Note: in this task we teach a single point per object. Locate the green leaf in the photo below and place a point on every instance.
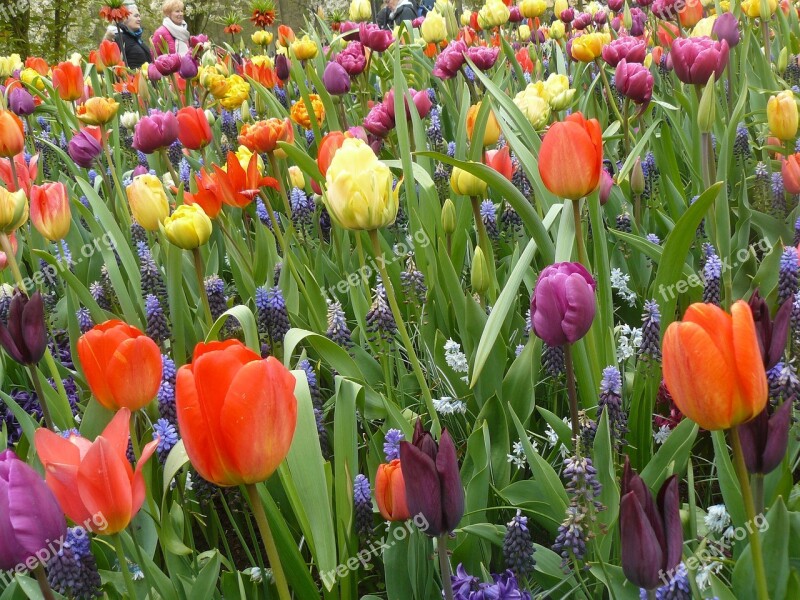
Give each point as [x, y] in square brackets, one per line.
[774, 533]
[246, 319]
[176, 459]
[726, 477]
[673, 455]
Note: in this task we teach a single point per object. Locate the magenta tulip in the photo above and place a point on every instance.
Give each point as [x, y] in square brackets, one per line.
[156, 131]
[167, 64]
[450, 61]
[563, 303]
[375, 38]
[634, 81]
[483, 57]
[378, 121]
[696, 59]
[629, 48]
[335, 79]
[726, 27]
[84, 149]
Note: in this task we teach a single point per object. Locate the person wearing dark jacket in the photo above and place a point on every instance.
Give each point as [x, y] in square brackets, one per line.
[130, 40]
[383, 17]
[402, 10]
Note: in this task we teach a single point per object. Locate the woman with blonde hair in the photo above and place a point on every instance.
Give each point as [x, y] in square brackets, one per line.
[128, 35]
[173, 35]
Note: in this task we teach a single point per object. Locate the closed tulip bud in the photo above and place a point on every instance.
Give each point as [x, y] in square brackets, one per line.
[524, 33]
[129, 119]
[13, 210]
[790, 170]
[557, 30]
[24, 336]
[188, 227]
[194, 130]
[771, 333]
[188, 68]
[466, 184]
[491, 132]
[696, 59]
[433, 482]
[335, 79]
[262, 37]
[282, 67]
[479, 275]
[634, 81]
[390, 491]
[606, 184]
[448, 217]
[237, 413]
[50, 213]
[296, 177]
[765, 439]
[783, 61]
[359, 188]
[571, 157]
[637, 178]
[530, 9]
[707, 112]
[534, 106]
[627, 18]
[305, 48]
[156, 131]
[726, 27]
[84, 148]
[714, 382]
[782, 115]
[21, 102]
[588, 46]
[12, 137]
[360, 10]
[563, 304]
[433, 28]
[148, 201]
[650, 530]
[91, 479]
[32, 517]
[167, 64]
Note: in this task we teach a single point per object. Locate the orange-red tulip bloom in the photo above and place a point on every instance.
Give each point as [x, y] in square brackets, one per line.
[207, 195]
[108, 54]
[330, 143]
[261, 73]
[194, 131]
[390, 492]
[571, 157]
[68, 81]
[237, 187]
[121, 364]
[237, 413]
[263, 136]
[26, 172]
[713, 367]
[12, 137]
[500, 161]
[285, 35]
[50, 212]
[38, 64]
[790, 170]
[93, 481]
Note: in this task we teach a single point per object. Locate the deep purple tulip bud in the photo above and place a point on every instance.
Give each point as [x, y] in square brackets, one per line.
[696, 59]
[168, 64]
[600, 17]
[606, 184]
[21, 102]
[282, 67]
[765, 438]
[24, 338]
[375, 38]
[537, 36]
[378, 121]
[483, 57]
[630, 48]
[563, 303]
[634, 81]
[153, 74]
[651, 532]
[616, 5]
[567, 15]
[188, 68]
[644, 3]
[352, 58]
[335, 79]
[515, 16]
[31, 518]
[726, 27]
[582, 21]
[771, 334]
[84, 149]
[450, 60]
[665, 9]
[638, 22]
[156, 131]
[433, 481]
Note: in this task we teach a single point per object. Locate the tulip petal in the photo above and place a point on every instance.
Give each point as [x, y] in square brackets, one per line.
[777, 437]
[35, 514]
[54, 449]
[780, 332]
[10, 549]
[423, 490]
[669, 506]
[753, 439]
[258, 419]
[581, 307]
[548, 310]
[641, 553]
[62, 479]
[104, 485]
[134, 372]
[750, 372]
[34, 331]
[450, 478]
[95, 348]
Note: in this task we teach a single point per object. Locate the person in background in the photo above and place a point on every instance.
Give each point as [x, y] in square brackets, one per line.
[402, 10]
[383, 16]
[129, 37]
[173, 35]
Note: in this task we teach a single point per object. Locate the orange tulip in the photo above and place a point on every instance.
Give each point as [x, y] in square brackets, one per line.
[667, 33]
[38, 64]
[68, 81]
[523, 57]
[263, 136]
[206, 195]
[108, 53]
[500, 161]
[390, 492]
[237, 187]
[93, 481]
[285, 35]
[12, 136]
[790, 170]
[261, 72]
[121, 364]
[237, 413]
[26, 172]
[691, 13]
[194, 132]
[571, 157]
[50, 212]
[330, 143]
[712, 366]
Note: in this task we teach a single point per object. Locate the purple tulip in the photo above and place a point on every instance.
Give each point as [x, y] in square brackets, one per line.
[765, 438]
[563, 303]
[417, 23]
[375, 38]
[30, 518]
[421, 100]
[378, 121]
[139, 170]
[600, 17]
[188, 68]
[450, 60]
[696, 59]
[582, 21]
[353, 59]
[638, 22]
[483, 57]
[630, 48]
[616, 5]
[606, 184]
[168, 64]
[666, 10]
[282, 67]
[567, 15]
[771, 334]
[21, 102]
[335, 79]
[350, 31]
[616, 23]
[634, 81]
[156, 131]
[24, 337]
[515, 16]
[651, 533]
[84, 149]
[153, 74]
[433, 481]
[726, 27]
[644, 3]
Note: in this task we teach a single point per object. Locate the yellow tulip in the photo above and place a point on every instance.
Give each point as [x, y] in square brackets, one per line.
[148, 201]
[557, 30]
[559, 95]
[704, 27]
[360, 10]
[9, 64]
[493, 14]
[13, 210]
[466, 184]
[530, 9]
[262, 37]
[32, 77]
[433, 28]
[238, 91]
[98, 110]
[296, 177]
[752, 8]
[533, 106]
[305, 48]
[588, 46]
[188, 227]
[491, 132]
[782, 116]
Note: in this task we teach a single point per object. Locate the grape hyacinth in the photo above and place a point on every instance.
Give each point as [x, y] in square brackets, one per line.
[778, 207]
[303, 208]
[215, 291]
[676, 588]
[624, 223]
[761, 187]
[553, 360]
[152, 280]
[72, 572]
[85, 322]
[157, 325]
[583, 488]
[518, 546]
[168, 369]
[166, 402]
[610, 402]
[435, 138]
[796, 240]
[380, 320]
[741, 143]
[413, 282]
[138, 234]
[783, 384]
[313, 384]
[362, 501]
[338, 331]
[651, 331]
[510, 221]
[263, 214]
[712, 276]
[167, 435]
[391, 444]
[788, 271]
[98, 292]
[273, 318]
[489, 218]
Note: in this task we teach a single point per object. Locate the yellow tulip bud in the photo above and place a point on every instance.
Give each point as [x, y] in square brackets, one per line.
[262, 37]
[782, 116]
[706, 113]
[493, 14]
[449, 217]
[243, 154]
[560, 6]
[360, 10]
[305, 48]
[588, 46]
[465, 18]
[9, 64]
[296, 177]
[13, 210]
[466, 184]
[530, 9]
[491, 132]
[433, 28]
[533, 106]
[755, 8]
[188, 227]
[557, 30]
[524, 33]
[557, 91]
[637, 178]
[32, 78]
[148, 201]
[479, 277]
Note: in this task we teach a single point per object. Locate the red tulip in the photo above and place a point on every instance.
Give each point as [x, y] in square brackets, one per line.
[194, 131]
[237, 187]
[206, 195]
[330, 143]
[26, 172]
[390, 492]
[500, 161]
[790, 170]
[571, 157]
[108, 53]
[68, 81]
[50, 212]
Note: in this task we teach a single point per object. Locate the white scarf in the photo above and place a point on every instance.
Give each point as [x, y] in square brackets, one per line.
[181, 35]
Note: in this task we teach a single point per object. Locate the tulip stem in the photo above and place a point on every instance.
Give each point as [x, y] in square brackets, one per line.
[44, 585]
[401, 327]
[269, 542]
[200, 270]
[444, 566]
[611, 99]
[123, 203]
[755, 541]
[37, 385]
[576, 216]
[758, 492]
[123, 565]
[5, 244]
[572, 393]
